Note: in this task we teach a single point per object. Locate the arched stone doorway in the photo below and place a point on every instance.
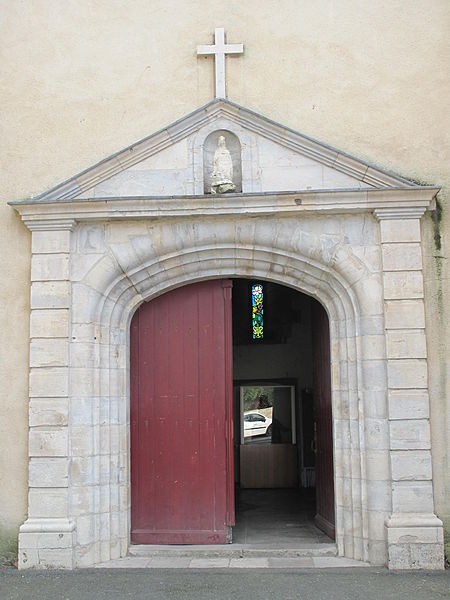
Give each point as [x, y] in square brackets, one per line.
[184, 486]
[90, 275]
[114, 309]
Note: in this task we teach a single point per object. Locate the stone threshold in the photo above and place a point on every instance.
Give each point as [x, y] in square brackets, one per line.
[233, 556]
[187, 562]
[233, 551]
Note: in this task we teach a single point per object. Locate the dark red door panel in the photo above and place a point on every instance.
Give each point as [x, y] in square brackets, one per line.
[181, 415]
[325, 518]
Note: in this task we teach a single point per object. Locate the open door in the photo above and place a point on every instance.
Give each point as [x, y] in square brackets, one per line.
[323, 421]
[182, 484]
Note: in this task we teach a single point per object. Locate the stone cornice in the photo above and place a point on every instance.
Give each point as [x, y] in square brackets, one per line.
[385, 203]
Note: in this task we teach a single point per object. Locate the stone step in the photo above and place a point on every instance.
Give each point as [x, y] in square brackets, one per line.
[233, 551]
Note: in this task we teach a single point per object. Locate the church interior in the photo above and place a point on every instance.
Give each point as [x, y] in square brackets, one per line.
[274, 380]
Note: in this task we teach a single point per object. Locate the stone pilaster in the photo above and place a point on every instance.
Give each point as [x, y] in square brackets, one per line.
[47, 538]
[414, 534]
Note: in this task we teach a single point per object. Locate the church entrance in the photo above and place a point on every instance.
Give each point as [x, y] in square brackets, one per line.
[200, 378]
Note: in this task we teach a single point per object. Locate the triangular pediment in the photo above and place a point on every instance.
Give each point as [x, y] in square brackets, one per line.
[171, 162]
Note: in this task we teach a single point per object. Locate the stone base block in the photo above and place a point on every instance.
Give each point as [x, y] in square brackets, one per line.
[47, 544]
[415, 541]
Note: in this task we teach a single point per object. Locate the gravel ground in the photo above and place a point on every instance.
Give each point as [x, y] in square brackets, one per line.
[261, 584]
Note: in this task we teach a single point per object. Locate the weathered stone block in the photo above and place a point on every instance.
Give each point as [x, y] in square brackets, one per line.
[86, 303]
[50, 267]
[47, 540]
[411, 465]
[49, 382]
[82, 440]
[84, 382]
[415, 556]
[406, 343]
[48, 442]
[84, 471]
[84, 499]
[48, 411]
[55, 241]
[49, 352]
[377, 465]
[402, 257]
[379, 495]
[375, 374]
[408, 404]
[374, 347]
[412, 496]
[86, 529]
[86, 555]
[397, 230]
[84, 355]
[50, 294]
[48, 472]
[56, 558]
[399, 285]
[47, 503]
[28, 557]
[404, 314]
[410, 434]
[407, 373]
[375, 404]
[415, 535]
[377, 434]
[90, 238]
[49, 323]
[84, 411]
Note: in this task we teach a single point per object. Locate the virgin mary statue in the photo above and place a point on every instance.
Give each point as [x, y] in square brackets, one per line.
[222, 175]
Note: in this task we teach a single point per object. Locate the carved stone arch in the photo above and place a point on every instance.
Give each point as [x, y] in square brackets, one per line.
[123, 292]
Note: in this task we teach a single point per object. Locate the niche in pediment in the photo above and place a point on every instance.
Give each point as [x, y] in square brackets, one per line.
[222, 163]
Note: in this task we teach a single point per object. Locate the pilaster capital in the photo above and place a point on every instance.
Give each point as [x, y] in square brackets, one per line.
[401, 213]
[50, 224]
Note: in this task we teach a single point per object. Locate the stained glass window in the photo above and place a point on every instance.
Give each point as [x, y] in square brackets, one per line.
[257, 311]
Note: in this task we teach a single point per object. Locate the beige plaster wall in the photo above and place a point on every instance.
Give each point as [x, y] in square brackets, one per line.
[88, 77]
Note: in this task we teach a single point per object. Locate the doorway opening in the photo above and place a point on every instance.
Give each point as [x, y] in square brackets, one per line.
[220, 355]
[283, 459]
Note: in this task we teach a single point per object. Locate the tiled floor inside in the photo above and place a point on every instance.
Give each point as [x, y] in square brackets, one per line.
[282, 518]
[274, 529]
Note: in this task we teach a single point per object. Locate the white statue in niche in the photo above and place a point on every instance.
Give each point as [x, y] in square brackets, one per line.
[222, 175]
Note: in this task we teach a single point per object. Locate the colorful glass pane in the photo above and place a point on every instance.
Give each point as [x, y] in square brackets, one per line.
[257, 311]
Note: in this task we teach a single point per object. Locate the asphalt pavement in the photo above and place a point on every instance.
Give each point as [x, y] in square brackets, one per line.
[231, 584]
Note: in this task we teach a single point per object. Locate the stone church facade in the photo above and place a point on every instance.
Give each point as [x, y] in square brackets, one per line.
[364, 242]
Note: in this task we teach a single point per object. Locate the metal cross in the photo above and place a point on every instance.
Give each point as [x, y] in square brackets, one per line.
[219, 49]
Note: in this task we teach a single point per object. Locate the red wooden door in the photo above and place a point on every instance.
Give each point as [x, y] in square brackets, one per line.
[182, 484]
[323, 422]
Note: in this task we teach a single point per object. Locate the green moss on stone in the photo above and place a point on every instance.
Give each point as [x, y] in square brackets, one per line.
[8, 546]
[436, 217]
[447, 544]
